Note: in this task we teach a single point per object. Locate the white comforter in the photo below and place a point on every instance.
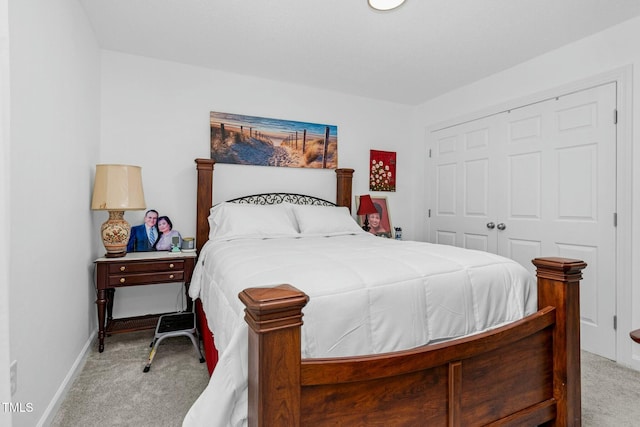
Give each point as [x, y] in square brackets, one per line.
[399, 295]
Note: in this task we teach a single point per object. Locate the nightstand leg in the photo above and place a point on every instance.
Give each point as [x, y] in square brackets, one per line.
[101, 302]
[111, 294]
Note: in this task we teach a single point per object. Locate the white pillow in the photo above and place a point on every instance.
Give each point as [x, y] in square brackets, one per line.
[241, 220]
[325, 220]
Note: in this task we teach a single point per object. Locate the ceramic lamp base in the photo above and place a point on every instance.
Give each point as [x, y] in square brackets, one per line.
[115, 234]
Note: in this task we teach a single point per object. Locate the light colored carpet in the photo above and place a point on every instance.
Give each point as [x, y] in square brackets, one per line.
[610, 393]
[112, 390]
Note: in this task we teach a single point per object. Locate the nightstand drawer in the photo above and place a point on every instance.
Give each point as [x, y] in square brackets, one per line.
[143, 267]
[145, 278]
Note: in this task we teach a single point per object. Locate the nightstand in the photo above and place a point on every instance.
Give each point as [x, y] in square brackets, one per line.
[136, 269]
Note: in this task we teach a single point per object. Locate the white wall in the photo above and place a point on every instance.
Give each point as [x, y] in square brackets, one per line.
[5, 360]
[603, 53]
[155, 114]
[54, 139]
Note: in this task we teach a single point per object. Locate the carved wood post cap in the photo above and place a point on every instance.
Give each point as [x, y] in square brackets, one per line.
[269, 309]
[344, 171]
[561, 269]
[205, 163]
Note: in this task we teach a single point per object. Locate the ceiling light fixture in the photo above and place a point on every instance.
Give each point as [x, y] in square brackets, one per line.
[385, 4]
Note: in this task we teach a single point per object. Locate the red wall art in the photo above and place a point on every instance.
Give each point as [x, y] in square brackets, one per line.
[382, 171]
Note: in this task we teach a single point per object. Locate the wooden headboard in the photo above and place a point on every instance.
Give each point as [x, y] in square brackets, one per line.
[205, 196]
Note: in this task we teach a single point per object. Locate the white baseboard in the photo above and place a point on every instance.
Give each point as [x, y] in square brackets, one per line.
[52, 409]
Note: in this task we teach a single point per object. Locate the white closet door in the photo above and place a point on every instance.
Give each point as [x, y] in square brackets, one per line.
[462, 176]
[547, 183]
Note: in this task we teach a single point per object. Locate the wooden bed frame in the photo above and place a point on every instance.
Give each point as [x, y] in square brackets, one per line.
[525, 373]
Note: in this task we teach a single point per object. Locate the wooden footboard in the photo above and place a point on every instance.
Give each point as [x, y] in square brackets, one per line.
[525, 373]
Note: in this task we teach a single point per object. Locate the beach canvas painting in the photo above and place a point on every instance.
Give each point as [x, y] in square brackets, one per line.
[249, 140]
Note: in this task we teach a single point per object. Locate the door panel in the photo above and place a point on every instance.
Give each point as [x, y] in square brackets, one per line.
[586, 193]
[461, 186]
[525, 186]
[476, 186]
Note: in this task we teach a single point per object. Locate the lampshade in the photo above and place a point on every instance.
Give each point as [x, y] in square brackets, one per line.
[118, 187]
[385, 4]
[366, 206]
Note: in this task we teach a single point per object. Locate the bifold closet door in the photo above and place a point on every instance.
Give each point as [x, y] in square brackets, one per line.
[537, 181]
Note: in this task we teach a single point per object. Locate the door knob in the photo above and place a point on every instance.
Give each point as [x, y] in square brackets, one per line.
[491, 225]
[501, 226]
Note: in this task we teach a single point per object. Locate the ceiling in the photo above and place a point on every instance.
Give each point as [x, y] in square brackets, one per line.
[421, 50]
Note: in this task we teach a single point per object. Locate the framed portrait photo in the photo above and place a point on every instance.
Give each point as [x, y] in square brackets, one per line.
[380, 222]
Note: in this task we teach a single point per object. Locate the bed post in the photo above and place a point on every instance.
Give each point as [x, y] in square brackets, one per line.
[558, 286]
[204, 200]
[274, 316]
[343, 191]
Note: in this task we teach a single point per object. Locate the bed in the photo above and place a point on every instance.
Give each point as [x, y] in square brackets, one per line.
[510, 372]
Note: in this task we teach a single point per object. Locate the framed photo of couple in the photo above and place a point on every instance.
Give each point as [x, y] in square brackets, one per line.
[380, 222]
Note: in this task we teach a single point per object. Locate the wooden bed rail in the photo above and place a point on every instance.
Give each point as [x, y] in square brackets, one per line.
[524, 373]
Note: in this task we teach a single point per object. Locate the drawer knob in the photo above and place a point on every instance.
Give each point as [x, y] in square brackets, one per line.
[170, 265]
[123, 280]
[171, 276]
[123, 268]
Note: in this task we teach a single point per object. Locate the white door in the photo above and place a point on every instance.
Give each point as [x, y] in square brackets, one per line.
[550, 191]
[462, 175]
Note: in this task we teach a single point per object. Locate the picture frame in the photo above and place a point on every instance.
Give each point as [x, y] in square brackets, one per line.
[382, 170]
[383, 226]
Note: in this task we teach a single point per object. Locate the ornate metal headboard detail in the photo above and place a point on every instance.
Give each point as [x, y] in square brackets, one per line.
[276, 198]
[204, 196]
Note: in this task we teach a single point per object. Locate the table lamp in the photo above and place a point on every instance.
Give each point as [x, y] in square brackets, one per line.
[365, 208]
[117, 188]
